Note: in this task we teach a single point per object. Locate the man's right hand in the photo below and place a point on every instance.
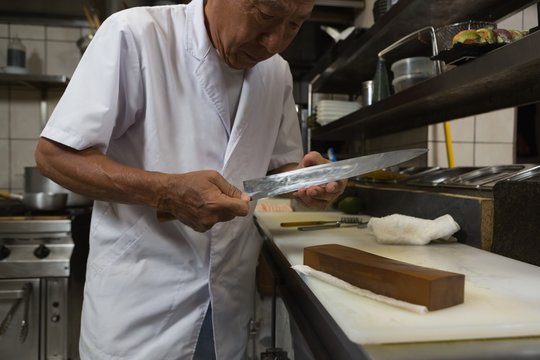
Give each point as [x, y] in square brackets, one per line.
[200, 199]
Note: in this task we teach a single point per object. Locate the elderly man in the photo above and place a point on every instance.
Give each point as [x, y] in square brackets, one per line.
[169, 110]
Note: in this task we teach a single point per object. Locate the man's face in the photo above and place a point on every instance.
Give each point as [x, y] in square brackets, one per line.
[245, 32]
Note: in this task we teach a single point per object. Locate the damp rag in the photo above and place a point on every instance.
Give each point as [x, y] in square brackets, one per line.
[400, 229]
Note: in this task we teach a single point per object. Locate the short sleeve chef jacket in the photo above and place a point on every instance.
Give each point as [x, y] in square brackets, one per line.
[148, 93]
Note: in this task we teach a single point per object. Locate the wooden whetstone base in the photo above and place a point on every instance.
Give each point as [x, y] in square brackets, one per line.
[435, 289]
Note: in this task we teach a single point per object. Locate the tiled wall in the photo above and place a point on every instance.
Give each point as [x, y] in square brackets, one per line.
[51, 51]
[484, 139]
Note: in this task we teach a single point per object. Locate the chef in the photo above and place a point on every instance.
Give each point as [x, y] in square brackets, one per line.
[169, 110]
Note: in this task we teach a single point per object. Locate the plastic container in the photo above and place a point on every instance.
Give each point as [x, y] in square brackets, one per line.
[406, 81]
[414, 65]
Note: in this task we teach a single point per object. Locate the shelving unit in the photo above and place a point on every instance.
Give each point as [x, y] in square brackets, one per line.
[502, 78]
[43, 83]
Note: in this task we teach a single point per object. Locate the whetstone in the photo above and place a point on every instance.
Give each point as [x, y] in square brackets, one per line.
[433, 288]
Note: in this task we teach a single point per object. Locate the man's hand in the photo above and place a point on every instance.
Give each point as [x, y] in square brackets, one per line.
[200, 199]
[321, 196]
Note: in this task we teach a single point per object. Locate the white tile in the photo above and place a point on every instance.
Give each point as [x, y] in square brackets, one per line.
[496, 126]
[35, 32]
[63, 33]
[4, 164]
[35, 56]
[513, 22]
[62, 58]
[25, 115]
[460, 130]
[494, 154]
[4, 30]
[4, 114]
[463, 154]
[530, 17]
[53, 97]
[22, 155]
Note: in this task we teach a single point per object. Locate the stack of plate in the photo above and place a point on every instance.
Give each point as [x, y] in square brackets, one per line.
[331, 110]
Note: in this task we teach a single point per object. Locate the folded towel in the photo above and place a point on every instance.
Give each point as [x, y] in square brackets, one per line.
[402, 229]
[332, 280]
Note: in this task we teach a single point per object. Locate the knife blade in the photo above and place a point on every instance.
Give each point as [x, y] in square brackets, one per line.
[291, 181]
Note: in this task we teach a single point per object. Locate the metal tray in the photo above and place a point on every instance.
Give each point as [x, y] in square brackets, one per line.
[436, 177]
[532, 175]
[395, 175]
[486, 177]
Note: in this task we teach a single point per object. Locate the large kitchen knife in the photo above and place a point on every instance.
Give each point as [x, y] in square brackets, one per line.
[290, 181]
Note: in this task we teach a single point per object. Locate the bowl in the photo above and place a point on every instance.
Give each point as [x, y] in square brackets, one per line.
[414, 65]
[406, 81]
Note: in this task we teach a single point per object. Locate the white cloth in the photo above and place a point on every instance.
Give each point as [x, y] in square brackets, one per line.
[332, 280]
[403, 229]
[145, 93]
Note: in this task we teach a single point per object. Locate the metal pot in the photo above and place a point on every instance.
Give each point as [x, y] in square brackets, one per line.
[34, 182]
[40, 200]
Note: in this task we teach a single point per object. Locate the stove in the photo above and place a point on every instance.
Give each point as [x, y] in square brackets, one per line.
[37, 313]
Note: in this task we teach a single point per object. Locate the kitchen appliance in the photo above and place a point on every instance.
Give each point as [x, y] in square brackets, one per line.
[35, 254]
[290, 181]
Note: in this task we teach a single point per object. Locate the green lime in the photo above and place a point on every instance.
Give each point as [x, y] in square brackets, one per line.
[350, 205]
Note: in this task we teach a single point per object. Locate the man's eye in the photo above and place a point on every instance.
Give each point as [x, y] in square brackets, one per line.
[294, 25]
[265, 16]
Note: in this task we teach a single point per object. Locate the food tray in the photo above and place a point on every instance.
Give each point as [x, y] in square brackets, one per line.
[486, 177]
[530, 175]
[434, 178]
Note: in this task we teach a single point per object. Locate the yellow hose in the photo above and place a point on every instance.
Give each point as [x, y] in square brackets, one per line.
[449, 147]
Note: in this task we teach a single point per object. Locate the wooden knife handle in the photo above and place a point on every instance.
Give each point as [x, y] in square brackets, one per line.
[306, 223]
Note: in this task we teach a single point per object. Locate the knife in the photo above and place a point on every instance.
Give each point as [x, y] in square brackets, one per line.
[290, 181]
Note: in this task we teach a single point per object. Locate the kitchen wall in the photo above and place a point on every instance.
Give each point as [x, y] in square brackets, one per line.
[484, 139]
[49, 50]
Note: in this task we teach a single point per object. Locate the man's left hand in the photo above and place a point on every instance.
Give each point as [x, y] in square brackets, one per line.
[320, 196]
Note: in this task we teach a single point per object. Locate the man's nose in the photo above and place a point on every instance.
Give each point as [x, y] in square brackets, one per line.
[274, 40]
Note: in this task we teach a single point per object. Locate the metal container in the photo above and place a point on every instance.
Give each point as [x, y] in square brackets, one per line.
[367, 93]
[435, 178]
[530, 175]
[40, 200]
[34, 182]
[486, 177]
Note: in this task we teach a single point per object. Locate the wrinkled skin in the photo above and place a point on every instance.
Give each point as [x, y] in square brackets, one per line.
[254, 30]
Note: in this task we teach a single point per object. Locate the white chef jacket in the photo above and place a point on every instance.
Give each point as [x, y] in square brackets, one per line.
[148, 93]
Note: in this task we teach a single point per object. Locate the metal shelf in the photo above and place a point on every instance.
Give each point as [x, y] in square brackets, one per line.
[41, 82]
[505, 77]
[357, 56]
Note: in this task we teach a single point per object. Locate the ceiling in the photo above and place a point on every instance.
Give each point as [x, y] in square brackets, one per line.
[71, 11]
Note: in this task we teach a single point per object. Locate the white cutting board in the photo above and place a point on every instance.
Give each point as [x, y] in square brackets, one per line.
[502, 296]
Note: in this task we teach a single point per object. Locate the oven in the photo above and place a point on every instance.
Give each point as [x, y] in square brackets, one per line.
[35, 254]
